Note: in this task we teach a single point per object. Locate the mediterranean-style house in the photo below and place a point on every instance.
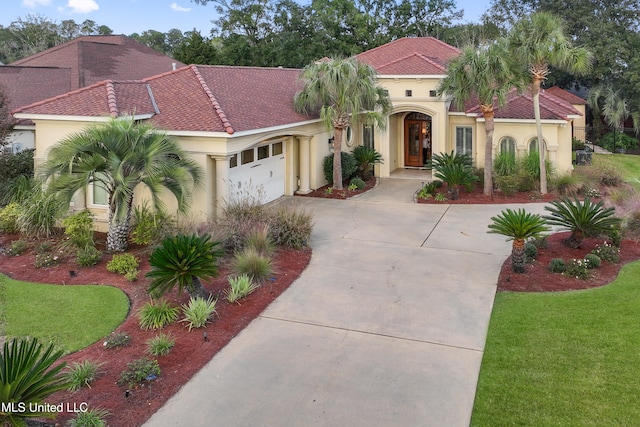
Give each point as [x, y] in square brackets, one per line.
[240, 125]
[78, 63]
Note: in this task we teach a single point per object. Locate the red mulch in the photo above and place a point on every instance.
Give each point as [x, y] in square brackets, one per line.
[190, 353]
[476, 197]
[324, 193]
[538, 278]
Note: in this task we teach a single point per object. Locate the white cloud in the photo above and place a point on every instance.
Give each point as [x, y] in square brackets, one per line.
[176, 8]
[35, 3]
[82, 6]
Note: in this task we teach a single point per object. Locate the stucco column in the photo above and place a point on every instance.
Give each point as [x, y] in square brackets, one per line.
[222, 182]
[305, 161]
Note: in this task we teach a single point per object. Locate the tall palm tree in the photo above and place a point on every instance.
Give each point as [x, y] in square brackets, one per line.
[342, 90]
[518, 226]
[117, 156]
[606, 101]
[486, 74]
[538, 42]
[27, 377]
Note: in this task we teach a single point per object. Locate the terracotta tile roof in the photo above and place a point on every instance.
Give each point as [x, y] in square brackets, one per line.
[566, 95]
[410, 56]
[96, 58]
[520, 106]
[194, 98]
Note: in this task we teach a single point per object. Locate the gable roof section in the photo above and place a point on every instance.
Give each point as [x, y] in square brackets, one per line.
[26, 85]
[566, 95]
[410, 56]
[194, 98]
[520, 106]
[96, 58]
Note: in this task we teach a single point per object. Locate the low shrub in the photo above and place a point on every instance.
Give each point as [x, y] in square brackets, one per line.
[593, 261]
[557, 265]
[358, 183]
[88, 256]
[440, 197]
[504, 164]
[157, 314]
[259, 240]
[82, 374]
[160, 345]
[94, 417]
[577, 268]
[614, 141]
[567, 184]
[9, 218]
[591, 192]
[607, 252]
[138, 371]
[47, 260]
[241, 286]
[40, 213]
[253, 264]
[79, 229]
[149, 226]
[198, 312]
[291, 228]
[577, 144]
[530, 252]
[508, 184]
[349, 166]
[125, 264]
[632, 225]
[117, 339]
[17, 247]
[540, 242]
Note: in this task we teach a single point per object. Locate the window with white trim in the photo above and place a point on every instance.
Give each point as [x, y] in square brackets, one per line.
[464, 140]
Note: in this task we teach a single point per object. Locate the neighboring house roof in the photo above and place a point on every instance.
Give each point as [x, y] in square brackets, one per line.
[520, 106]
[194, 98]
[25, 85]
[566, 95]
[410, 56]
[96, 58]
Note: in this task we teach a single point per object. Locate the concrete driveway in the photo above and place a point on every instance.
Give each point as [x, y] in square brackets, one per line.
[386, 327]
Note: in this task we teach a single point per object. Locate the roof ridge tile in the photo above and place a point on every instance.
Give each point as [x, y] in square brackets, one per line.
[214, 102]
[111, 98]
[417, 54]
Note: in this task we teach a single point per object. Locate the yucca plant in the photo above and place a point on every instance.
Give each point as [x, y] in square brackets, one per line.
[183, 261]
[581, 218]
[240, 287]
[27, 376]
[198, 311]
[157, 314]
[366, 157]
[518, 226]
[82, 374]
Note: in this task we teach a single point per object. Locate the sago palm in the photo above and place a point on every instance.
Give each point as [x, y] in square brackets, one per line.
[485, 74]
[581, 218]
[366, 158]
[342, 90]
[183, 261]
[539, 42]
[117, 156]
[518, 226]
[27, 377]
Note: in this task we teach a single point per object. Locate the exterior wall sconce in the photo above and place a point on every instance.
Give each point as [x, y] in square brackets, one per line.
[331, 140]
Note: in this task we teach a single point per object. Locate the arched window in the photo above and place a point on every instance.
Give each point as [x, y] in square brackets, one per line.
[508, 145]
[533, 144]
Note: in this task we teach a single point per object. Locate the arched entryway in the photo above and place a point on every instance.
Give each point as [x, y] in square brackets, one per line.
[417, 140]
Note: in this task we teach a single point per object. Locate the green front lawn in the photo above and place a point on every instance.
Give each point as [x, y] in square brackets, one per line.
[627, 164]
[72, 316]
[563, 359]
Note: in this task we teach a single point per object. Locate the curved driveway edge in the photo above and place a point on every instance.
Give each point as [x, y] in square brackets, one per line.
[386, 327]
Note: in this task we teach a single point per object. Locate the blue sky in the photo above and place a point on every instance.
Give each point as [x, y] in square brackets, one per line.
[135, 16]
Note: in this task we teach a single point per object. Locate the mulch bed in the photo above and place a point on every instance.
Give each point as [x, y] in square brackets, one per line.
[327, 192]
[476, 197]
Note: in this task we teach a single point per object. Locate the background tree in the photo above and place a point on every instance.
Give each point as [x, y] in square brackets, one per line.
[486, 75]
[117, 156]
[615, 109]
[342, 90]
[196, 49]
[538, 42]
[7, 121]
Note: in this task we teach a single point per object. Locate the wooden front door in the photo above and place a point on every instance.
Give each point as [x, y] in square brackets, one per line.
[414, 133]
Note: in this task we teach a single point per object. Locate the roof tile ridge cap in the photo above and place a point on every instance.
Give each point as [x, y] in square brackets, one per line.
[111, 99]
[166, 73]
[418, 54]
[57, 97]
[426, 58]
[213, 100]
[447, 45]
[381, 46]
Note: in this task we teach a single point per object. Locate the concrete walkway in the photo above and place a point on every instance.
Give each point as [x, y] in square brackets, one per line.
[386, 327]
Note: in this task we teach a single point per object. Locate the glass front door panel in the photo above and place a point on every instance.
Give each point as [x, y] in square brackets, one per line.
[413, 143]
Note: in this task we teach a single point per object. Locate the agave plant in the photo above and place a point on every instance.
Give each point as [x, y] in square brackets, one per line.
[27, 378]
[366, 158]
[581, 218]
[183, 261]
[518, 226]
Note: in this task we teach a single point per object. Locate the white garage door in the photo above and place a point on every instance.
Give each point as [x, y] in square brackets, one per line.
[259, 169]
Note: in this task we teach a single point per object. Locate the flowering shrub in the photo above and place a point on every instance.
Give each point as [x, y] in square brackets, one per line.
[577, 268]
[607, 252]
[46, 260]
[593, 193]
[593, 261]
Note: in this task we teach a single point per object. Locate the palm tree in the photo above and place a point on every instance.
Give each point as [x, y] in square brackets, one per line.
[342, 90]
[27, 377]
[183, 260]
[608, 102]
[582, 218]
[539, 42]
[518, 226]
[484, 73]
[117, 156]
